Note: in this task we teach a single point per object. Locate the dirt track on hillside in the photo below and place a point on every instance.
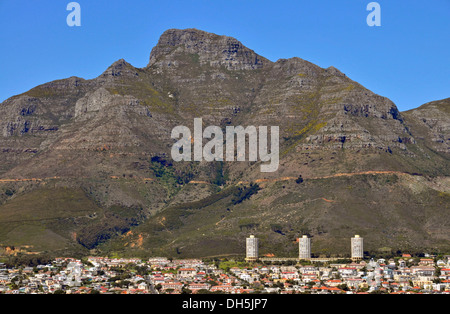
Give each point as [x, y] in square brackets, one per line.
[350, 174]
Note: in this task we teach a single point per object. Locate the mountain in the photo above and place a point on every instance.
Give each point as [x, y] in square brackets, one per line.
[86, 165]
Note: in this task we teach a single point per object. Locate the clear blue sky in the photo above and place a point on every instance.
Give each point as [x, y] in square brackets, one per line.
[407, 59]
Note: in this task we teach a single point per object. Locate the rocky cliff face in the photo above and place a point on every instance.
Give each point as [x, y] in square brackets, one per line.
[206, 48]
[432, 124]
[191, 74]
[111, 135]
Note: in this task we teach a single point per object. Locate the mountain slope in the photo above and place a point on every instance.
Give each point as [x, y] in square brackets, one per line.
[432, 124]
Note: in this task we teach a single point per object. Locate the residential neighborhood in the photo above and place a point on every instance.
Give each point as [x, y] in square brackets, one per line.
[161, 275]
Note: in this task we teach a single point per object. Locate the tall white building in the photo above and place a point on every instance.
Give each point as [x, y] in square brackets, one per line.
[357, 248]
[252, 249]
[304, 247]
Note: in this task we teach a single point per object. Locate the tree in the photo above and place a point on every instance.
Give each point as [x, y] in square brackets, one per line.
[245, 193]
[437, 272]
[343, 287]
[212, 283]
[221, 176]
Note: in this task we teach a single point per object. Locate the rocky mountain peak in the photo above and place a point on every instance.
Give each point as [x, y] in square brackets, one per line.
[207, 48]
[119, 68]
